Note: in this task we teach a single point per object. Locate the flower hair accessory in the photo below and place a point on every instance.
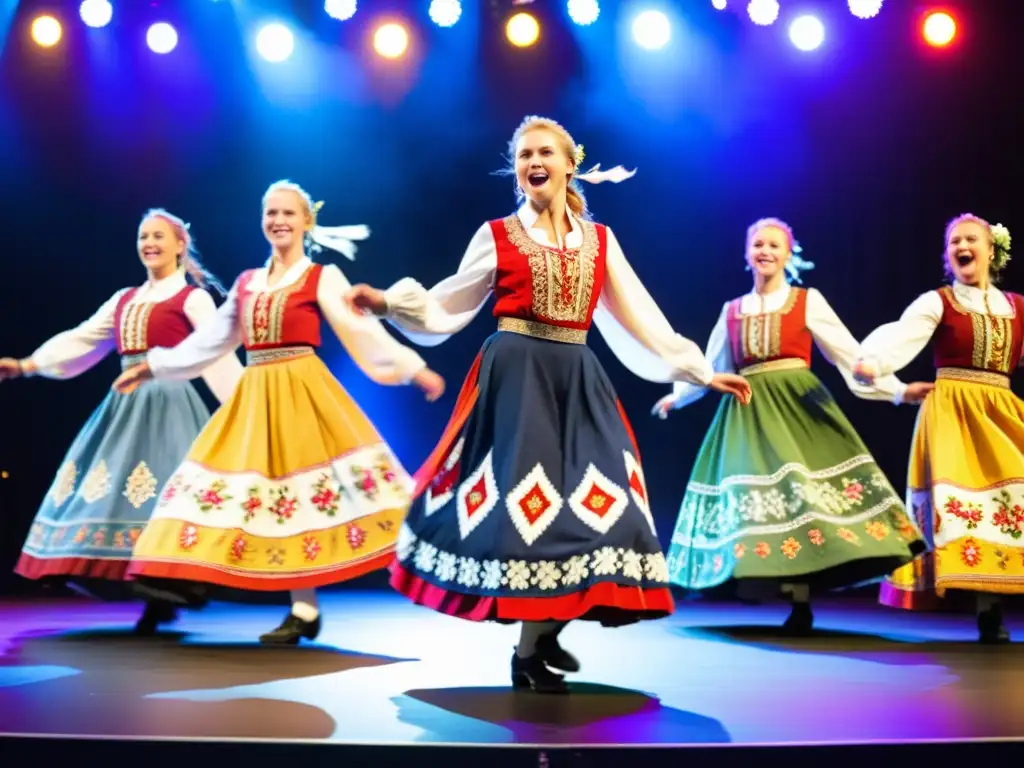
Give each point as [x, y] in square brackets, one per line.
[797, 264]
[580, 154]
[340, 239]
[1001, 246]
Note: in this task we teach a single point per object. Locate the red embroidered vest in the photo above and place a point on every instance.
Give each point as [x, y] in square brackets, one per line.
[281, 317]
[147, 324]
[966, 339]
[778, 335]
[548, 285]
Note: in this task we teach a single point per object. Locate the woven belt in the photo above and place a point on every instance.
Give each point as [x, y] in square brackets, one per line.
[542, 330]
[130, 361]
[974, 376]
[276, 355]
[785, 364]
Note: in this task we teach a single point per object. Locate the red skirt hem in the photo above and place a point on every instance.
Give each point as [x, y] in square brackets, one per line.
[33, 568]
[609, 603]
[210, 575]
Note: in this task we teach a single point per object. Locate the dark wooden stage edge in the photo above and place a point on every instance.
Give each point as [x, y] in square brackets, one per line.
[389, 683]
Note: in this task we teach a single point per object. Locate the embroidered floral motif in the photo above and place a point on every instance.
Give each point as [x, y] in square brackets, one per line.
[252, 503]
[763, 549]
[238, 547]
[816, 537]
[790, 547]
[1009, 519]
[212, 497]
[365, 481]
[140, 486]
[970, 553]
[189, 536]
[971, 514]
[64, 483]
[325, 498]
[847, 535]
[284, 506]
[310, 548]
[355, 536]
[876, 529]
[97, 483]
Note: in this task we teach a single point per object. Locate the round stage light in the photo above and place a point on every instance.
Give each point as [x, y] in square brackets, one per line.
[342, 10]
[865, 9]
[445, 13]
[718, 5]
[96, 13]
[522, 30]
[763, 12]
[161, 38]
[583, 12]
[275, 42]
[46, 31]
[652, 30]
[939, 29]
[806, 33]
[390, 40]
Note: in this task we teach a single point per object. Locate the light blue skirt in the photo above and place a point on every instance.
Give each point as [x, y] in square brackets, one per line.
[107, 487]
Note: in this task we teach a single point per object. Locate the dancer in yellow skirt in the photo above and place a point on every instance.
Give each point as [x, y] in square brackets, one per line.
[289, 487]
[966, 477]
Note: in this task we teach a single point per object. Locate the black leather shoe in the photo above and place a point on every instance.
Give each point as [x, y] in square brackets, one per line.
[292, 630]
[554, 655]
[157, 612]
[991, 630]
[533, 674]
[800, 621]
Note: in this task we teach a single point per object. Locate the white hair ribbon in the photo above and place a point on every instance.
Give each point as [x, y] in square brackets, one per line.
[596, 176]
[340, 239]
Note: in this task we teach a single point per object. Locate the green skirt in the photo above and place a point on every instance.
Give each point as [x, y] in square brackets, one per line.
[784, 490]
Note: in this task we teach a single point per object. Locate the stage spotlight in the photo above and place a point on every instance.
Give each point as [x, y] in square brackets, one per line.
[96, 13]
[718, 5]
[806, 33]
[445, 13]
[763, 12]
[275, 42]
[583, 12]
[651, 30]
[865, 9]
[390, 40]
[939, 29]
[522, 30]
[161, 38]
[342, 10]
[46, 31]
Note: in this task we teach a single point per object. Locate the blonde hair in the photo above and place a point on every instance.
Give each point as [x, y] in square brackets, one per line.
[999, 255]
[315, 238]
[574, 197]
[189, 259]
[796, 264]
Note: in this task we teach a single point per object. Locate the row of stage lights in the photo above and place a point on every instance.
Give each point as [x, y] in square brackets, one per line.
[651, 29]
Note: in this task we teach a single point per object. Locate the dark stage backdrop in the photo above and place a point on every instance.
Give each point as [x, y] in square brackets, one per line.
[867, 147]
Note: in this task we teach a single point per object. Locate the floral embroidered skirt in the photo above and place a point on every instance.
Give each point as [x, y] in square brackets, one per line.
[784, 490]
[106, 489]
[966, 487]
[288, 486]
[533, 506]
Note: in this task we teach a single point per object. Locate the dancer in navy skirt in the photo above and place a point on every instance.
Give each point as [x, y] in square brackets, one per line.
[533, 506]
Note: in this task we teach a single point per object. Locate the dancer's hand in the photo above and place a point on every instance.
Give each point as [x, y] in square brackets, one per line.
[431, 384]
[864, 373]
[662, 408]
[9, 368]
[918, 391]
[133, 378]
[364, 299]
[731, 384]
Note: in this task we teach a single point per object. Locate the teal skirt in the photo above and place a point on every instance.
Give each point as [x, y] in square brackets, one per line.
[784, 490]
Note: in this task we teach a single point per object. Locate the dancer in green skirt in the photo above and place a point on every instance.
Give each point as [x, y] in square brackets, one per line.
[784, 495]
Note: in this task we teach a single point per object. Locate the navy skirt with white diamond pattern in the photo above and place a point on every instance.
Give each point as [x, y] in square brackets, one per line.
[533, 506]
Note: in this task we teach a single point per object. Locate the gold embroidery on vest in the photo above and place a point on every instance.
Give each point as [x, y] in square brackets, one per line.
[134, 322]
[264, 312]
[562, 281]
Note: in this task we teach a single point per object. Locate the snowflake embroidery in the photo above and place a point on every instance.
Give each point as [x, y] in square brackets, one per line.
[547, 574]
[425, 554]
[631, 565]
[491, 574]
[518, 575]
[605, 561]
[469, 572]
[576, 569]
[446, 567]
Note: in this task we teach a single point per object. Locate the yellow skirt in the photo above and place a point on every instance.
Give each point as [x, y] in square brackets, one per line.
[966, 489]
[289, 486]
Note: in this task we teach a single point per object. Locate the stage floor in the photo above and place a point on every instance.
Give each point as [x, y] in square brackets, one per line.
[387, 672]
